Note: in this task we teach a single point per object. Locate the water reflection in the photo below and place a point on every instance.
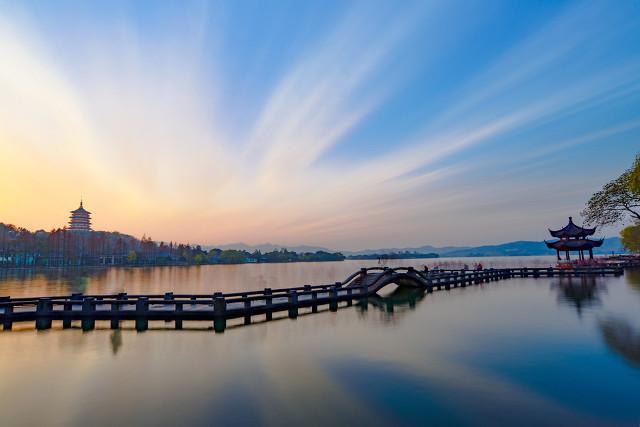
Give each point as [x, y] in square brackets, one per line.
[116, 341]
[471, 356]
[579, 292]
[211, 278]
[401, 300]
[633, 278]
[622, 338]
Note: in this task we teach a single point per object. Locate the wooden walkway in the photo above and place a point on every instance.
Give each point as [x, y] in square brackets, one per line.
[220, 307]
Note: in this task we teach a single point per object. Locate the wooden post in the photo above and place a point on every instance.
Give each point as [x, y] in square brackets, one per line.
[293, 304]
[268, 301]
[333, 298]
[349, 297]
[219, 313]
[363, 275]
[247, 310]
[178, 314]
[142, 312]
[43, 314]
[88, 319]
[6, 322]
[67, 310]
[115, 308]
[314, 301]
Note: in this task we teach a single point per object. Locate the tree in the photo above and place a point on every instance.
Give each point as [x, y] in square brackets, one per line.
[635, 176]
[631, 238]
[132, 257]
[614, 203]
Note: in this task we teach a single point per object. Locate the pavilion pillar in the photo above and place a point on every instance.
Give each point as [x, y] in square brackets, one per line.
[567, 255]
[558, 253]
[590, 253]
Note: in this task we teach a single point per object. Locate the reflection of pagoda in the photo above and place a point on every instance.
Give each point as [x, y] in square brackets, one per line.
[578, 292]
[80, 219]
[574, 238]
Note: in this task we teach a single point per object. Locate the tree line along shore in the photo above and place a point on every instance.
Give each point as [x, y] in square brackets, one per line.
[21, 248]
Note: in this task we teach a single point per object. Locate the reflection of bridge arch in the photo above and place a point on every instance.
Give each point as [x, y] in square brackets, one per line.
[400, 297]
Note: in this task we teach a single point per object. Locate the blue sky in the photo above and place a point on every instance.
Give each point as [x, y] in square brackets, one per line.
[343, 124]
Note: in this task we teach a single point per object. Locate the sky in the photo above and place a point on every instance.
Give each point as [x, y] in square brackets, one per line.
[347, 125]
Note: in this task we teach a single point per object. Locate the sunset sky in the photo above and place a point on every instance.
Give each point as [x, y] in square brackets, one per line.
[345, 125]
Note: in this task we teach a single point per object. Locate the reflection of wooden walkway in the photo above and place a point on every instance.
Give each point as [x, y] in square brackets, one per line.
[220, 307]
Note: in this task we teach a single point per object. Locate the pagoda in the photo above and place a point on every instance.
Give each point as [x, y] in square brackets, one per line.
[573, 238]
[80, 219]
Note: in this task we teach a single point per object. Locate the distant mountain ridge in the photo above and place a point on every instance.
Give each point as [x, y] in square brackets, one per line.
[517, 248]
[268, 247]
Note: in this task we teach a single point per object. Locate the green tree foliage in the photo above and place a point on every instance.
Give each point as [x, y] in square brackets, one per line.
[631, 238]
[615, 202]
[132, 256]
[635, 176]
[233, 257]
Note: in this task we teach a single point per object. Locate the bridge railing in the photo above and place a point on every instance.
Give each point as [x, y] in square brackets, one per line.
[179, 306]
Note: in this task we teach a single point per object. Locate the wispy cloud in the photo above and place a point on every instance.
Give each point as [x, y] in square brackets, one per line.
[138, 122]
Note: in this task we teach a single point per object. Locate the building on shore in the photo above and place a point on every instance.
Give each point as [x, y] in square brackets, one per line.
[573, 238]
[80, 219]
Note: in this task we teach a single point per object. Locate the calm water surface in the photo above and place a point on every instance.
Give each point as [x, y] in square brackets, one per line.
[521, 351]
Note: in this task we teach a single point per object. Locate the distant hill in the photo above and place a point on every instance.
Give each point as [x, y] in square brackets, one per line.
[527, 248]
[518, 248]
[426, 249]
[268, 247]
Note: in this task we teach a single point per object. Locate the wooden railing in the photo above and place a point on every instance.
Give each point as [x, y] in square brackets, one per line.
[219, 307]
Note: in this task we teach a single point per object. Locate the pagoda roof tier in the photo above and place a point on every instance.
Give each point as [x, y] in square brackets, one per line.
[574, 244]
[80, 210]
[572, 231]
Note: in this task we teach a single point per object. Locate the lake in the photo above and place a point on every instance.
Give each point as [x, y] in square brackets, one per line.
[520, 351]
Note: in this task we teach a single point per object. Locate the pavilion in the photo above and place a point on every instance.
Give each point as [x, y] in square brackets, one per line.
[573, 238]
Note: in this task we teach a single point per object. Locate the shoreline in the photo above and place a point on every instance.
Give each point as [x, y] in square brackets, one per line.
[622, 259]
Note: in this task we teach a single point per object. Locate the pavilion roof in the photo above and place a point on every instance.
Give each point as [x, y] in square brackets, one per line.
[574, 244]
[572, 230]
